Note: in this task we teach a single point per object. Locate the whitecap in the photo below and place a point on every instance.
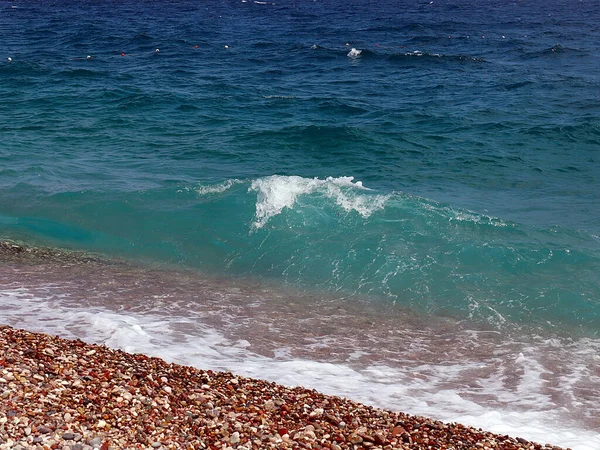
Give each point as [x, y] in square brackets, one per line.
[353, 53]
[280, 97]
[217, 188]
[277, 192]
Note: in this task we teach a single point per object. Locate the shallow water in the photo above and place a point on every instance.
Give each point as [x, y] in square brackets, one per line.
[514, 382]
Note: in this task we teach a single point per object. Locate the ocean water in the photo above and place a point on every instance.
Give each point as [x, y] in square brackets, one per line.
[395, 202]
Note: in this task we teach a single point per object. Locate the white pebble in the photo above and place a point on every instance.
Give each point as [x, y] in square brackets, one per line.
[318, 412]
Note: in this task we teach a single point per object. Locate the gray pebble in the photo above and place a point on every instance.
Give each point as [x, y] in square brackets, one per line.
[96, 442]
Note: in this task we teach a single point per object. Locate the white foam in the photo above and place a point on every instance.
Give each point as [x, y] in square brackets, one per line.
[277, 192]
[354, 53]
[279, 97]
[217, 188]
[429, 389]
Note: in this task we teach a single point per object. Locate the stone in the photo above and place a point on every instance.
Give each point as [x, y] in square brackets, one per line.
[316, 413]
[95, 442]
[397, 431]
[269, 405]
[379, 438]
[354, 439]
[234, 438]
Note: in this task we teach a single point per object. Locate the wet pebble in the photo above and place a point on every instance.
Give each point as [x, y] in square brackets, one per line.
[102, 399]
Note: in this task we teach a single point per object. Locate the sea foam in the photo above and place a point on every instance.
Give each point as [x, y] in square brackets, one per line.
[274, 193]
[427, 389]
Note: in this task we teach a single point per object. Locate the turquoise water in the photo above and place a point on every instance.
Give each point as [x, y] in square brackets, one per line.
[335, 235]
[440, 158]
[473, 130]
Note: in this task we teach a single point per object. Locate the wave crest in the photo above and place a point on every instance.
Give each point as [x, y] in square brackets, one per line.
[277, 192]
[217, 188]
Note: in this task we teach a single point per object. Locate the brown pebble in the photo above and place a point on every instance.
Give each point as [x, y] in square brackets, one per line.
[397, 431]
[109, 399]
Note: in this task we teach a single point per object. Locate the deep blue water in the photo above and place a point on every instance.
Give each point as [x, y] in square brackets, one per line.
[471, 131]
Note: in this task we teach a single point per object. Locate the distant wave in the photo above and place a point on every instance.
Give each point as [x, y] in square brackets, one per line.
[216, 188]
[353, 53]
[384, 54]
[556, 50]
[311, 136]
[418, 54]
[323, 51]
[83, 73]
[279, 97]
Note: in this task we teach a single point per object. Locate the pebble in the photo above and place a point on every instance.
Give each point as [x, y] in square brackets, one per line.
[234, 438]
[95, 442]
[108, 400]
[318, 412]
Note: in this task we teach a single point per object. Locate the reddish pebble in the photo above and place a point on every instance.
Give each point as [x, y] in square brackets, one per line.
[396, 431]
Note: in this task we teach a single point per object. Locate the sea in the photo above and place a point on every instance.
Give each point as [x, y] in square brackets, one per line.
[394, 201]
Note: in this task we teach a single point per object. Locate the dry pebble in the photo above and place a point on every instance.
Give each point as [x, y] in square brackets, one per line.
[60, 394]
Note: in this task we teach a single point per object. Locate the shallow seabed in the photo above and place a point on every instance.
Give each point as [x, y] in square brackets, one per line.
[509, 382]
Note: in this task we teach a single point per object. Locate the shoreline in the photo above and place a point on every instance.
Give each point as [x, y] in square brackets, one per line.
[58, 393]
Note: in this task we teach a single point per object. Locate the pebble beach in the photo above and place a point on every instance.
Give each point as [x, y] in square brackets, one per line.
[70, 395]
